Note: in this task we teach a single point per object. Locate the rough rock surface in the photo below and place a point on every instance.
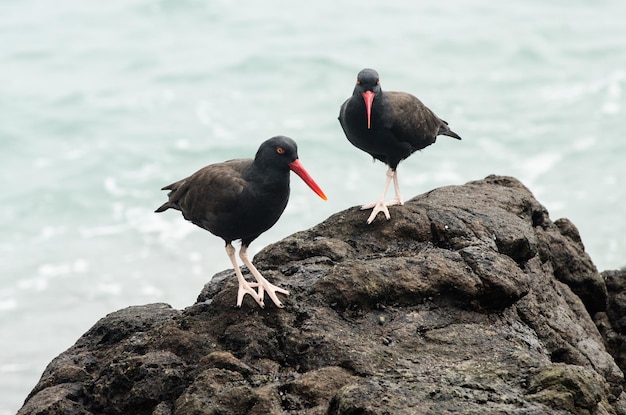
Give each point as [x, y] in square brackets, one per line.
[612, 322]
[469, 300]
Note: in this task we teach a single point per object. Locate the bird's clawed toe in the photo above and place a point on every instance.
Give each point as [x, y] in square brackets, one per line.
[376, 207]
[271, 290]
[263, 286]
[395, 201]
[248, 288]
[381, 206]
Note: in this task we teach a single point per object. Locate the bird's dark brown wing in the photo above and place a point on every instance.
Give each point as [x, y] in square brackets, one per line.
[213, 189]
[412, 121]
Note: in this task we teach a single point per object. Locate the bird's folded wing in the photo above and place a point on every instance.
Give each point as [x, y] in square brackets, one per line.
[215, 188]
[412, 119]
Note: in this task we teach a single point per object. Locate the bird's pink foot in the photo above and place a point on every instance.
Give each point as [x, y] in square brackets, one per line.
[395, 201]
[377, 207]
[245, 287]
[248, 288]
[381, 206]
[271, 289]
[262, 284]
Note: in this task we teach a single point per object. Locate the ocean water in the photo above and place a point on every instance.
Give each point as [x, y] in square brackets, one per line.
[103, 103]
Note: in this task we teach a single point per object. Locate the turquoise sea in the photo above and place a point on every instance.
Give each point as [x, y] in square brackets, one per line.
[103, 103]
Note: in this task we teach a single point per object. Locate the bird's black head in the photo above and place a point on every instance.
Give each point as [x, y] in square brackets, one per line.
[367, 86]
[367, 80]
[281, 152]
[277, 152]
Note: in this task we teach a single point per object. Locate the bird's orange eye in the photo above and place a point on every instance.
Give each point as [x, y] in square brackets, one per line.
[280, 150]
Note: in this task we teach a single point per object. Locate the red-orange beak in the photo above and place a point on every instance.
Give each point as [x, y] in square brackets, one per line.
[368, 97]
[298, 169]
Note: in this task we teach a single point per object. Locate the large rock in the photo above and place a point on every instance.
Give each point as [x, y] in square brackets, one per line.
[469, 300]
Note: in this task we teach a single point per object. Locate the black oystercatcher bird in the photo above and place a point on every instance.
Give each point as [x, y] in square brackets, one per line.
[241, 199]
[390, 126]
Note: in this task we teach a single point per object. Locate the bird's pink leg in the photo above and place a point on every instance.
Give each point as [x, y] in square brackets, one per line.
[380, 205]
[244, 286]
[397, 200]
[263, 284]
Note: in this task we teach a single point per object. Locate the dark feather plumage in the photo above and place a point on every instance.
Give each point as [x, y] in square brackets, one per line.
[390, 126]
[241, 199]
[401, 124]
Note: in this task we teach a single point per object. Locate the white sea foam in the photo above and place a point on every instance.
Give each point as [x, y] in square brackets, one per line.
[8, 304]
[104, 230]
[533, 167]
[584, 143]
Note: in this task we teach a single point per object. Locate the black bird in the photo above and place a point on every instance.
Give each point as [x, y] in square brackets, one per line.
[390, 126]
[241, 199]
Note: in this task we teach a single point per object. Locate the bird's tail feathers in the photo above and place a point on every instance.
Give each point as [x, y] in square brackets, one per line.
[450, 133]
[165, 206]
[176, 189]
[445, 130]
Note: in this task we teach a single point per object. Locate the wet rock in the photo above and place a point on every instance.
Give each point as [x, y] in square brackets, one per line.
[469, 300]
[612, 323]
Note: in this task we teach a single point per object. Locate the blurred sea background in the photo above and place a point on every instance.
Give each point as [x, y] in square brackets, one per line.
[103, 103]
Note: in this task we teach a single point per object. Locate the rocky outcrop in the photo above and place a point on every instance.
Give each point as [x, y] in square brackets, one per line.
[612, 321]
[469, 300]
